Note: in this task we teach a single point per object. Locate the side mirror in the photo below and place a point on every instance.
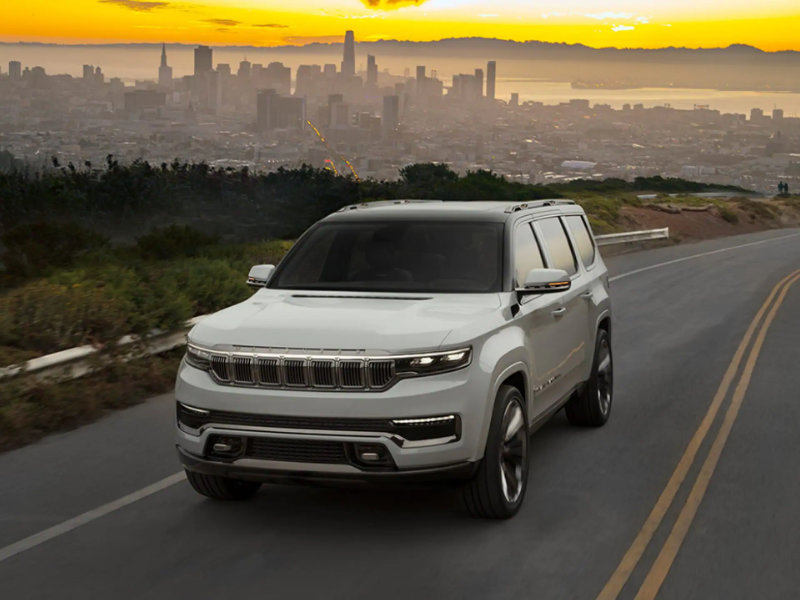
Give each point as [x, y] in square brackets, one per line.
[544, 281]
[259, 275]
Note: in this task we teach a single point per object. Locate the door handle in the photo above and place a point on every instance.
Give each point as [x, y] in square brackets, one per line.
[588, 295]
[559, 311]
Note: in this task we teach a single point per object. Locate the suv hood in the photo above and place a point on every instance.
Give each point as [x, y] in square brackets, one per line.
[343, 320]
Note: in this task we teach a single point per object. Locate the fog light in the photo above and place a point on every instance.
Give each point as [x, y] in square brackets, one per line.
[226, 446]
[372, 454]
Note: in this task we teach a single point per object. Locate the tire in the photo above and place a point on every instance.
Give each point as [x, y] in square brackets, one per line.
[498, 487]
[222, 488]
[591, 406]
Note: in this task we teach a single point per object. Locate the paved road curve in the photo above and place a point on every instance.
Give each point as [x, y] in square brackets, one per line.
[729, 531]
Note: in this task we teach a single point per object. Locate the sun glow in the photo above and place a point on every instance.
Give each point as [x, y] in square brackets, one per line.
[770, 25]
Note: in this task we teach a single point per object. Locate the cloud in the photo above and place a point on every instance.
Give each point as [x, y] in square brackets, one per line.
[390, 4]
[137, 5]
[223, 22]
[623, 28]
[271, 25]
[310, 39]
[604, 16]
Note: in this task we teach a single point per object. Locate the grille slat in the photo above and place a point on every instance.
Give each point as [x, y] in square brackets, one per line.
[380, 373]
[269, 371]
[242, 369]
[352, 374]
[295, 371]
[322, 373]
[219, 365]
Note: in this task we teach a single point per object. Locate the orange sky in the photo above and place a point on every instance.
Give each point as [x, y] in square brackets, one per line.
[770, 24]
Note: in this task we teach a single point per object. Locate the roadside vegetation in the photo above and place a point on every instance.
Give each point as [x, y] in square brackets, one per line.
[91, 254]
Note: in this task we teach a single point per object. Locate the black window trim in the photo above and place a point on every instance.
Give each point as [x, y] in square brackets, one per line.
[512, 267]
[589, 232]
[564, 227]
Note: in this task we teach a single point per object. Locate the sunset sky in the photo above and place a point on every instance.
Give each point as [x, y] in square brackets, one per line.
[769, 24]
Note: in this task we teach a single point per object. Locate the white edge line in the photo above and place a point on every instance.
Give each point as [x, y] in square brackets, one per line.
[693, 256]
[87, 517]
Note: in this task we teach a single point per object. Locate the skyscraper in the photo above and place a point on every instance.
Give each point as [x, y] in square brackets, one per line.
[164, 71]
[202, 60]
[391, 115]
[479, 82]
[14, 70]
[349, 62]
[372, 71]
[491, 74]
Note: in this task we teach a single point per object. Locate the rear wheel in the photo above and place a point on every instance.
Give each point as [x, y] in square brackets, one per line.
[222, 488]
[498, 488]
[591, 406]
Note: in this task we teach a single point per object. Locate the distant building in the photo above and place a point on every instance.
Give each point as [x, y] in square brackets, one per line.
[777, 114]
[14, 70]
[372, 71]
[88, 72]
[224, 70]
[277, 77]
[390, 118]
[329, 70]
[143, 100]
[244, 70]
[491, 75]
[349, 59]
[479, 81]
[514, 99]
[164, 70]
[202, 60]
[756, 114]
[420, 74]
[274, 111]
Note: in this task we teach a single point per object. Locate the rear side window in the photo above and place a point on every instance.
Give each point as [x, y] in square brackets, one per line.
[555, 240]
[583, 240]
[527, 254]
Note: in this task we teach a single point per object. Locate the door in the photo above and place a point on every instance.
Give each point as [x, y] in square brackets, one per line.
[560, 320]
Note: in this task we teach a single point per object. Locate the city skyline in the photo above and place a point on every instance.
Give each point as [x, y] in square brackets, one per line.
[771, 25]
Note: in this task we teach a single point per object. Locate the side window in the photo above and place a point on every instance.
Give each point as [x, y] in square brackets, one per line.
[527, 254]
[555, 240]
[583, 240]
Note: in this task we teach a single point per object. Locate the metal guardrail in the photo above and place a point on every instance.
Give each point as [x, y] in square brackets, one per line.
[632, 236]
[77, 362]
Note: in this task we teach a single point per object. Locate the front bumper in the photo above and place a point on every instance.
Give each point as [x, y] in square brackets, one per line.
[277, 472]
[278, 420]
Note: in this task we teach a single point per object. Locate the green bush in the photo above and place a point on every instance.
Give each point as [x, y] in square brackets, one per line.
[728, 215]
[46, 317]
[207, 285]
[173, 241]
[33, 249]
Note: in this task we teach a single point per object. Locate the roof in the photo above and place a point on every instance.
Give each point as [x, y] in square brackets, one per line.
[498, 211]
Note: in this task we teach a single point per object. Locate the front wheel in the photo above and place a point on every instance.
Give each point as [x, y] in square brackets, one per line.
[591, 406]
[221, 488]
[498, 488]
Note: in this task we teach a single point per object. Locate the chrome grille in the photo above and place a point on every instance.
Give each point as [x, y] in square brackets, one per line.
[313, 372]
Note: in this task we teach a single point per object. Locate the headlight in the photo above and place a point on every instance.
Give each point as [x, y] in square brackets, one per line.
[435, 362]
[197, 357]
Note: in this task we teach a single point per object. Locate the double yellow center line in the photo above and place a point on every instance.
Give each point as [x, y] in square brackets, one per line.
[663, 562]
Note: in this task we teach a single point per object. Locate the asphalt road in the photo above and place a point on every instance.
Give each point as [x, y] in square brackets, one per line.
[678, 323]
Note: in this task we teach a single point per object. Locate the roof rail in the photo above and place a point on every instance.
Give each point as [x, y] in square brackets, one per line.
[383, 203]
[536, 204]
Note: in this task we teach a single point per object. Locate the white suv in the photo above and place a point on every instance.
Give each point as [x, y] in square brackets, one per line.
[403, 340]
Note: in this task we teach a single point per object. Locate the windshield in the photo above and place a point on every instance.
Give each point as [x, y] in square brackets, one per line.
[397, 256]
